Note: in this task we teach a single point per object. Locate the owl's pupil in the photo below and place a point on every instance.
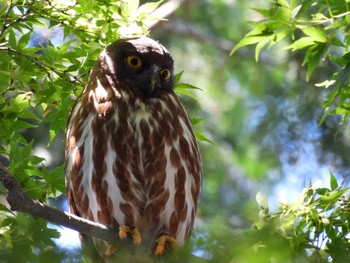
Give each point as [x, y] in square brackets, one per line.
[134, 62]
[164, 74]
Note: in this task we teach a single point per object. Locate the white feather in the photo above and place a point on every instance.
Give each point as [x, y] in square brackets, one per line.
[113, 190]
[88, 168]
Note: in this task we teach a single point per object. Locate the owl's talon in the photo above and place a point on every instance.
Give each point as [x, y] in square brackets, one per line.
[161, 244]
[136, 236]
[125, 231]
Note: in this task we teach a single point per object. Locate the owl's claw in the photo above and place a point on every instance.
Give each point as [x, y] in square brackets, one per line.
[161, 244]
[125, 231]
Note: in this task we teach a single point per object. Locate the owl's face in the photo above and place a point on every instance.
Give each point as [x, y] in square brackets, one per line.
[142, 64]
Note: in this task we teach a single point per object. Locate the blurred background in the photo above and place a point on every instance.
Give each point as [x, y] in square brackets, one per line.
[262, 116]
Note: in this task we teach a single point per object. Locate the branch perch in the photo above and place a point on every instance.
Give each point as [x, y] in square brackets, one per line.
[20, 202]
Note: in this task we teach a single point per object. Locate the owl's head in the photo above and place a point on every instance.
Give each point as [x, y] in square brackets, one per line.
[142, 64]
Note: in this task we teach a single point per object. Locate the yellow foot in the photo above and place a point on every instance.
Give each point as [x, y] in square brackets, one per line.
[161, 243]
[125, 231]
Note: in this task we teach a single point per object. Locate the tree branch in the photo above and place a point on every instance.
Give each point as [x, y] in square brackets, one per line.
[20, 202]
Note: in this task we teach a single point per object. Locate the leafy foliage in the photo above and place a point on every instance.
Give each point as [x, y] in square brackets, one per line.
[317, 224]
[314, 228]
[320, 28]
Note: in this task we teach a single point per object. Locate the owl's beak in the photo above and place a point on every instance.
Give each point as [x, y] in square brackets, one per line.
[154, 82]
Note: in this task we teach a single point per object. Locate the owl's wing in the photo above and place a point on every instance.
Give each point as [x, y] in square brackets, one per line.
[95, 100]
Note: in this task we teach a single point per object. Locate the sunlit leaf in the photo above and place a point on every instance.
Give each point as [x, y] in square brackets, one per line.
[296, 10]
[260, 45]
[318, 34]
[265, 12]
[148, 7]
[133, 5]
[201, 137]
[333, 181]
[301, 43]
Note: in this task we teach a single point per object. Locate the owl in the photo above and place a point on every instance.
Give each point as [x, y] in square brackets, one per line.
[132, 160]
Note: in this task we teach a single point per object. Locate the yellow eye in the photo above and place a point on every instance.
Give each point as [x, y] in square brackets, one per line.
[134, 61]
[165, 73]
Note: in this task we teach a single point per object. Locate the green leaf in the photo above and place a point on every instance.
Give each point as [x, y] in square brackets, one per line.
[265, 12]
[184, 89]
[333, 181]
[201, 137]
[301, 43]
[313, 56]
[343, 78]
[52, 136]
[318, 34]
[12, 38]
[331, 196]
[178, 76]
[247, 40]
[296, 10]
[35, 160]
[196, 121]
[185, 92]
[148, 8]
[186, 86]
[322, 191]
[7, 221]
[260, 46]
[55, 178]
[24, 40]
[20, 152]
[5, 209]
[63, 48]
[66, 31]
[19, 125]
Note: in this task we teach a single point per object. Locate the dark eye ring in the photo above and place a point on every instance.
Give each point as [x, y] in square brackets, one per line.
[133, 61]
[165, 73]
